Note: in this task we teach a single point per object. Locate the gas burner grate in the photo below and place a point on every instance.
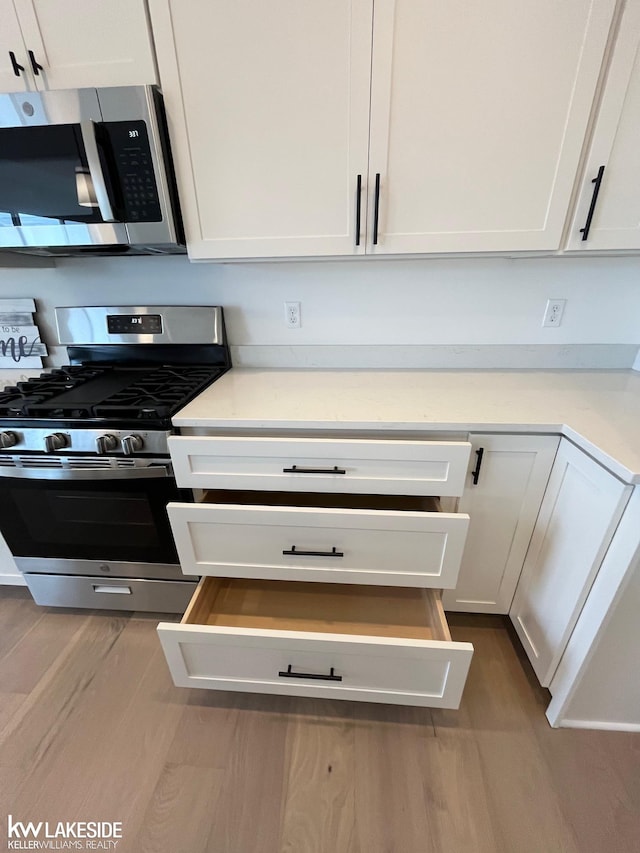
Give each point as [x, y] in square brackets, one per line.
[157, 394]
[23, 399]
[86, 392]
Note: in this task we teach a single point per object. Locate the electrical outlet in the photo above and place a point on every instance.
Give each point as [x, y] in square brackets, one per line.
[553, 312]
[292, 315]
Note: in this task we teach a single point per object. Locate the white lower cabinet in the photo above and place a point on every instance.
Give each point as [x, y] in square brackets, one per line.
[503, 506]
[322, 564]
[367, 643]
[581, 509]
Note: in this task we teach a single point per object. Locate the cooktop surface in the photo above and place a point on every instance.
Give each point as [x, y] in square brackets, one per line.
[107, 393]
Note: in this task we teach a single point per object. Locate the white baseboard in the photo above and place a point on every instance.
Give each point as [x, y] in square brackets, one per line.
[599, 724]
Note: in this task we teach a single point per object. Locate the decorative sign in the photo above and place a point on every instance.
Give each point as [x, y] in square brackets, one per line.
[20, 344]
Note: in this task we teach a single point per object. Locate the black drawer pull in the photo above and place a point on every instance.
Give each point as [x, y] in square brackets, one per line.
[17, 68]
[295, 469]
[37, 68]
[295, 553]
[358, 200]
[317, 677]
[476, 472]
[376, 209]
[592, 207]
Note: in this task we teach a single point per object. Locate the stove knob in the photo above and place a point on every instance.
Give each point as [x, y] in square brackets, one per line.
[132, 444]
[105, 443]
[56, 441]
[8, 439]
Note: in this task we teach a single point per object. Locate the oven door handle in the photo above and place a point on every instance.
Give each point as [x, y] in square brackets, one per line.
[87, 473]
[88, 131]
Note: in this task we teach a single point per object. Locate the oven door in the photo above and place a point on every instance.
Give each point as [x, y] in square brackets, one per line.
[79, 514]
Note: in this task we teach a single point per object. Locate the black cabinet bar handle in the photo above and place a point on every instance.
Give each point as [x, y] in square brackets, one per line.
[358, 199]
[17, 68]
[295, 469]
[475, 474]
[376, 210]
[295, 553]
[316, 676]
[37, 68]
[594, 198]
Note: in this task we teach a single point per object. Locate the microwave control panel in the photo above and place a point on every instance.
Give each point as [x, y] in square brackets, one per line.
[132, 154]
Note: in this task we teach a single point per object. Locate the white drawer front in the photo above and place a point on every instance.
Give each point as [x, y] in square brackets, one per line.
[321, 465]
[422, 549]
[336, 641]
[372, 669]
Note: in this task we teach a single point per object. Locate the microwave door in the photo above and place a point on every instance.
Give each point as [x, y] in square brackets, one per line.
[54, 188]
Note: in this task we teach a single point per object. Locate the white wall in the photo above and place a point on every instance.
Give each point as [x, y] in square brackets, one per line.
[451, 306]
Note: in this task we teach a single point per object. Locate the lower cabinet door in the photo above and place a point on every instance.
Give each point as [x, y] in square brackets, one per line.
[373, 644]
[578, 517]
[384, 540]
[502, 500]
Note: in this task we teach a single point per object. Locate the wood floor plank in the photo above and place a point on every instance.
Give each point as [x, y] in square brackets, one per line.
[27, 662]
[54, 698]
[118, 729]
[10, 704]
[17, 616]
[318, 814]
[247, 817]
[522, 804]
[390, 809]
[179, 814]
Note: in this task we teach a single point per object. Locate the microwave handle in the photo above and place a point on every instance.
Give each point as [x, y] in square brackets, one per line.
[88, 131]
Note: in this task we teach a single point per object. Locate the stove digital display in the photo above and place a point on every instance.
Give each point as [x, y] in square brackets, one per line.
[134, 324]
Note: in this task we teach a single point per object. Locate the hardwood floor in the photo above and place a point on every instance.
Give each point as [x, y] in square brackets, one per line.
[91, 728]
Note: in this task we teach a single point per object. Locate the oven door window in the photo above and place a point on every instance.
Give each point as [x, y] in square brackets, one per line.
[107, 520]
[45, 178]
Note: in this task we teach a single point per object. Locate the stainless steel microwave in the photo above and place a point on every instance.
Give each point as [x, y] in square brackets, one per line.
[87, 171]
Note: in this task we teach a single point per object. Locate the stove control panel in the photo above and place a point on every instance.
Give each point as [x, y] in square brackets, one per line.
[134, 324]
[85, 441]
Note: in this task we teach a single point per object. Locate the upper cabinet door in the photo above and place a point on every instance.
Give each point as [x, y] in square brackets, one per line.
[83, 43]
[13, 54]
[478, 117]
[607, 214]
[268, 107]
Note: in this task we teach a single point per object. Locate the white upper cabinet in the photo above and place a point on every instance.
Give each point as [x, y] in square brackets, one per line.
[73, 44]
[15, 69]
[268, 107]
[607, 214]
[461, 124]
[478, 117]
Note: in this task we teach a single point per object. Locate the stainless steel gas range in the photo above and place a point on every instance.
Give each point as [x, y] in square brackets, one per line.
[85, 472]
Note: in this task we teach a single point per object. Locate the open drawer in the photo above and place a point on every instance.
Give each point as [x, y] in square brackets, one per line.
[375, 644]
[364, 539]
[364, 466]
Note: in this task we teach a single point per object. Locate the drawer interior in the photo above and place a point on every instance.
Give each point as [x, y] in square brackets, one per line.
[406, 503]
[409, 613]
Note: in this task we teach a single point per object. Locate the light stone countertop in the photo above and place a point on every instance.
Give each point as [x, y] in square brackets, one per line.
[599, 410]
